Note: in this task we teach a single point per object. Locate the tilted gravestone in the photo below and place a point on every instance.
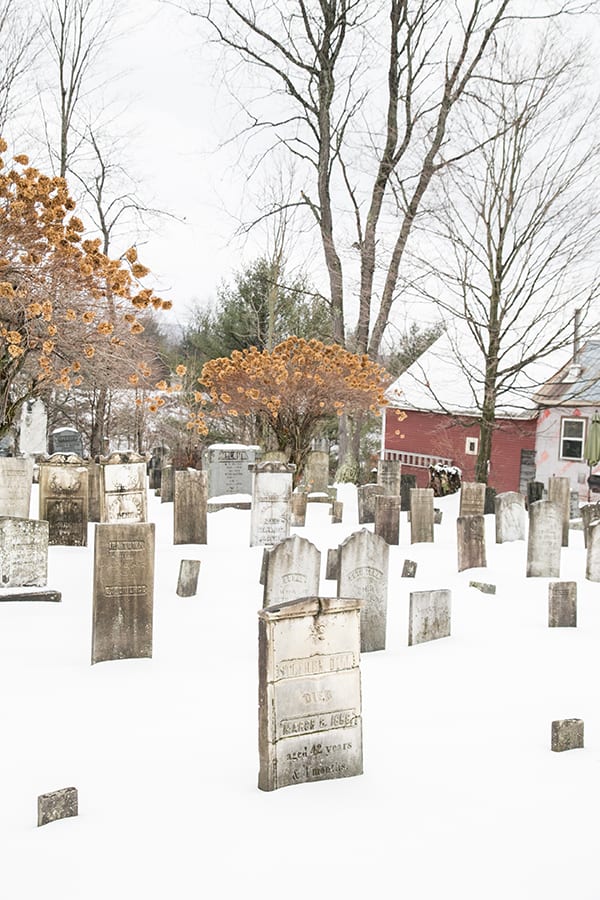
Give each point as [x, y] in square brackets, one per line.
[409, 568]
[123, 495]
[535, 492]
[472, 498]
[589, 513]
[63, 499]
[167, 483]
[363, 573]
[228, 467]
[544, 540]
[316, 471]
[407, 483]
[298, 509]
[592, 566]
[510, 517]
[471, 542]
[190, 507]
[567, 734]
[387, 518]
[23, 552]
[421, 516]
[271, 498]
[429, 616]
[559, 490]
[389, 474]
[57, 805]
[16, 476]
[366, 494]
[291, 570]
[187, 583]
[123, 591]
[310, 724]
[562, 604]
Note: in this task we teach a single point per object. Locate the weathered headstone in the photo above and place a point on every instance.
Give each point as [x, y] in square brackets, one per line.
[30, 595]
[331, 568]
[337, 512]
[510, 517]
[562, 604]
[187, 583]
[574, 511]
[472, 498]
[559, 490]
[94, 491]
[123, 496]
[429, 616]
[592, 566]
[316, 471]
[23, 552]
[535, 492]
[387, 518]
[589, 513]
[57, 805]
[407, 483]
[298, 509]
[567, 734]
[489, 506]
[123, 591]
[421, 516]
[363, 573]
[228, 467]
[271, 497]
[65, 440]
[310, 724]
[544, 540]
[409, 568]
[389, 476]
[16, 476]
[167, 483]
[63, 499]
[190, 507]
[437, 516]
[292, 570]
[154, 470]
[366, 494]
[471, 542]
[483, 586]
[32, 429]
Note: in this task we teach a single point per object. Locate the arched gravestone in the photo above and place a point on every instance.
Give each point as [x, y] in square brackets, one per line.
[310, 724]
[544, 540]
[271, 499]
[363, 573]
[123, 495]
[510, 517]
[63, 499]
[292, 569]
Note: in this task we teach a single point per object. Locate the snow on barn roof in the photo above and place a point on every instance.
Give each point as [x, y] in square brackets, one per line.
[447, 378]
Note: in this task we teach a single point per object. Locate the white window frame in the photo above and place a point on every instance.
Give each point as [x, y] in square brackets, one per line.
[580, 420]
[472, 446]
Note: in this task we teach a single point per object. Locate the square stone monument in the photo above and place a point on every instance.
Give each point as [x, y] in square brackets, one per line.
[228, 468]
[123, 591]
[310, 724]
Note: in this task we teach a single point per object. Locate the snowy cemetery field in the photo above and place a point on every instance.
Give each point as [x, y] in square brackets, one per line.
[461, 795]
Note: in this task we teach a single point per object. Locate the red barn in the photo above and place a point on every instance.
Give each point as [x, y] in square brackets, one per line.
[431, 418]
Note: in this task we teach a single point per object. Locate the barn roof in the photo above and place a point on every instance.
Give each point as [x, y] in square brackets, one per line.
[577, 383]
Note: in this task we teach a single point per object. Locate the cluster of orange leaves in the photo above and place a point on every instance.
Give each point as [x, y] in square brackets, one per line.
[60, 296]
[298, 379]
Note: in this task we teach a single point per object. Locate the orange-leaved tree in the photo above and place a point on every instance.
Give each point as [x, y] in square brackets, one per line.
[290, 389]
[65, 307]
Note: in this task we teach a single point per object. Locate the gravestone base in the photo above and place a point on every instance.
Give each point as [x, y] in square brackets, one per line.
[224, 504]
[57, 805]
[483, 587]
[567, 734]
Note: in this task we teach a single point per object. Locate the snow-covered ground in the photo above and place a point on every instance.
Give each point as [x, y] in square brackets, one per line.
[461, 795]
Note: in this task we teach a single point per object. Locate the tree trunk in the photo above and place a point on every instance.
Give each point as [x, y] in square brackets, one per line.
[98, 430]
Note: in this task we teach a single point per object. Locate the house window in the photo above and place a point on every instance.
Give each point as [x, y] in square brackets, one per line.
[571, 438]
[472, 446]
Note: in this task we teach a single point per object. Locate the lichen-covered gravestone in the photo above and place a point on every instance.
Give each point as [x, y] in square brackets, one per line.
[57, 805]
[544, 540]
[389, 473]
[310, 724]
[363, 573]
[123, 591]
[429, 616]
[471, 542]
[23, 552]
[190, 507]
[472, 498]
[567, 734]
[63, 499]
[562, 604]
[271, 499]
[16, 476]
[291, 570]
[387, 518]
[187, 583]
